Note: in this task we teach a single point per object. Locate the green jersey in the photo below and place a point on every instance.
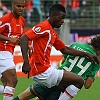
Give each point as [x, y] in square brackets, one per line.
[81, 65]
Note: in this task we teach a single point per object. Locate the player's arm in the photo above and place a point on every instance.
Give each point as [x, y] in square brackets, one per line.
[59, 45]
[88, 82]
[24, 49]
[4, 38]
[71, 51]
[12, 40]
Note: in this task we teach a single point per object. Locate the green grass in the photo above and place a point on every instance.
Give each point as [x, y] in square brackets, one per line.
[85, 94]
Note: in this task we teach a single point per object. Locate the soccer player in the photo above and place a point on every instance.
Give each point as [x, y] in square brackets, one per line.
[11, 28]
[44, 37]
[78, 65]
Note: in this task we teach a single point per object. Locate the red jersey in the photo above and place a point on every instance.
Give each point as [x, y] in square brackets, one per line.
[43, 37]
[10, 27]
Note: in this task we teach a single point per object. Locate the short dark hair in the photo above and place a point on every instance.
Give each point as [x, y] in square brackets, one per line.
[95, 42]
[14, 1]
[55, 8]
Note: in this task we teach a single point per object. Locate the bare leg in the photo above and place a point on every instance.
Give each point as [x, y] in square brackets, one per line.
[9, 80]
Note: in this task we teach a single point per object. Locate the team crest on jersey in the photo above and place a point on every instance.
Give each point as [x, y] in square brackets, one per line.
[38, 29]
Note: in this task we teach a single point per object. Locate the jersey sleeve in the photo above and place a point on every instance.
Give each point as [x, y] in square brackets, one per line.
[34, 33]
[59, 44]
[3, 24]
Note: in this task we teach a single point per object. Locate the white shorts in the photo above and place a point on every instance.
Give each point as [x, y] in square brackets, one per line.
[51, 77]
[6, 61]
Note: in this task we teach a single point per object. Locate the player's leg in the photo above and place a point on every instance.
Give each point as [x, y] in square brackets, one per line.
[11, 80]
[54, 95]
[54, 77]
[1, 86]
[26, 95]
[9, 77]
[8, 72]
[31, 92]
[37, 90]
[76, 84]
[1, 89]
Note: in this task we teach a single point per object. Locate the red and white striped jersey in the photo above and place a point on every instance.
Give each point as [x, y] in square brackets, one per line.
[43, 37]
[10, 27]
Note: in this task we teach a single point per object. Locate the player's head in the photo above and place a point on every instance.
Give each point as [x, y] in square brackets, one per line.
[18, 7]
[95, 43]
[56, 15]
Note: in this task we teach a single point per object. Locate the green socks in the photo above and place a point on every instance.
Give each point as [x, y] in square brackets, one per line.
[16, 98]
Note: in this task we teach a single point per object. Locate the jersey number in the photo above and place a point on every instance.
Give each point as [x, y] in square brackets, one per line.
[79, 64]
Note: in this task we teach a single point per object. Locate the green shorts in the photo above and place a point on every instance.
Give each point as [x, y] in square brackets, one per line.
[45, 92]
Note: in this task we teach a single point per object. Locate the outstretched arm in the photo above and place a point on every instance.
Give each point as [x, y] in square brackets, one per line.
[74, 52]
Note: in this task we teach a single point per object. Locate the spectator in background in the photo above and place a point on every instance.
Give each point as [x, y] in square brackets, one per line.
[64, 3]
[75, 6]
[97, 3]
[29, 9]
[82, 7]
[3, 9]
[37, 6]
[47, 5]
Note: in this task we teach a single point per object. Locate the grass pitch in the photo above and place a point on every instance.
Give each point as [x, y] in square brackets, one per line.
[85, 94]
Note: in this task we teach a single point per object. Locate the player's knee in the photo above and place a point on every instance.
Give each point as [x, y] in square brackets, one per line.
[15, 82]
[12, 82]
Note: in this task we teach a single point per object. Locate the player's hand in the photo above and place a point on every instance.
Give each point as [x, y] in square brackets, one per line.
[93, 58]
[14, 41]
[26, 68]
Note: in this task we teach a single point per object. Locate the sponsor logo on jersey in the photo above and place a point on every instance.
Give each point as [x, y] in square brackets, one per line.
[17, 25]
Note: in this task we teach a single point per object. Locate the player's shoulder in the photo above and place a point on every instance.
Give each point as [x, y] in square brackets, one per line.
[77, 43]
[41, 27]
[6, 17]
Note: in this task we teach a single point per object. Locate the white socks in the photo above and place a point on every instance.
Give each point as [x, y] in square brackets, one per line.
[8, 93]
[69, 93]
[1, 89]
